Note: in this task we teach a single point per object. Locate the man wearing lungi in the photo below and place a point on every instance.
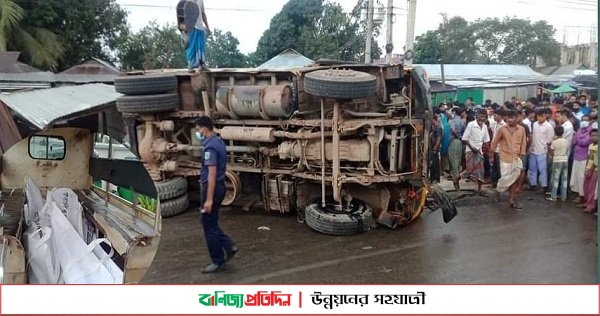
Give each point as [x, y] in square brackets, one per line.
[197, 31]
[475, 137]
[511, 139]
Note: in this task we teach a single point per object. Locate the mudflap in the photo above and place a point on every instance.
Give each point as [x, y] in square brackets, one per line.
[443, 201]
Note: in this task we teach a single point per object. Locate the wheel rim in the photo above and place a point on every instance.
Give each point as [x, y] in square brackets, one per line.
[233, 186]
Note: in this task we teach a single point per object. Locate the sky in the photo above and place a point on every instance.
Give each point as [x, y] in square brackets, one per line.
[574, 20]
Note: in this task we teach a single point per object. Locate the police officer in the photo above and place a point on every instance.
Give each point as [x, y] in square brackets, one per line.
[212, 179]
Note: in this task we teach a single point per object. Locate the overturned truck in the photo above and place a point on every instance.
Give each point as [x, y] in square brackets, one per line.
[344, 147]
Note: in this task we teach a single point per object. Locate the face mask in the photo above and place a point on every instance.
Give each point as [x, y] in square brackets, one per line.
[584, 124]
[199, 136]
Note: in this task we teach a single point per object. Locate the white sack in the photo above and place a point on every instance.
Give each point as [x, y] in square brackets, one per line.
[78, 263]
[69, 205]
[42, 265]
[35, 203]
[105, 259]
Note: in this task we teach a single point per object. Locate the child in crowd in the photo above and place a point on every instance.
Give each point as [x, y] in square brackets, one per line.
[560, 165]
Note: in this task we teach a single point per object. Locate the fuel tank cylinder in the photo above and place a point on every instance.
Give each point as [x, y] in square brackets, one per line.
[266, 102]
[248, 134]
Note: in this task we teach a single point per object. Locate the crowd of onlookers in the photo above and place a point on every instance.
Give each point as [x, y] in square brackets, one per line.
[559, 154]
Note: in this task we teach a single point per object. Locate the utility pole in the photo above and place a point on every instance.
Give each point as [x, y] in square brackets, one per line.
[410, 31]
[369, 40]
[389, 46]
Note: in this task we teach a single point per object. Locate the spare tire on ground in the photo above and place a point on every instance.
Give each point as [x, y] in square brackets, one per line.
[340, 84]
[176, 206]
[154, 103]
[353, 219]
[171, 188]
[146, 84]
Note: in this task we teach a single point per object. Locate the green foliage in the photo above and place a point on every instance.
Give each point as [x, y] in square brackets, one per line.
[11, 15]
[316, 29]
[222, 51]
[495, 41]
[153, 47]
[39, 45]
[147, 203]
[84, 28]
[287, 26]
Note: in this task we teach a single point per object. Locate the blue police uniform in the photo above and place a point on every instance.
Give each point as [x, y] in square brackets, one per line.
[215, 154]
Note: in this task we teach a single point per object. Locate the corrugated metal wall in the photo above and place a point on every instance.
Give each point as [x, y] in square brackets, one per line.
[496, 95]
[476, 94]
[440, 97]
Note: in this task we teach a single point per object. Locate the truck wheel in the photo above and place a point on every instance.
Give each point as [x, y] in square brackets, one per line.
[176, 206]
[171, 188]
[355, 219]
[443, 201]
[340, 84]
[152, 103]
[233, 186]
[145, 84]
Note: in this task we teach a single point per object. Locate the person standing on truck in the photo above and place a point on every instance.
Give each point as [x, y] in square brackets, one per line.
[212, 185]
[196, 39]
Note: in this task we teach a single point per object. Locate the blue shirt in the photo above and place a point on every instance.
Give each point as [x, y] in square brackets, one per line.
[215, 154]
[586, 110]
[456, 124]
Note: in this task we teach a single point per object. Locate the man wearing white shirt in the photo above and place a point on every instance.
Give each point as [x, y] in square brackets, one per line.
[529, 118]
[542, 136]
[564, 118]
[475, 137]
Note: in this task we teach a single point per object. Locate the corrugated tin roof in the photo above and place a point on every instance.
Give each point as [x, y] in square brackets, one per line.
[289, 58]
[466, 72]
[44, 107]
[484, 84]
[93, 66]
[567, 70]
[49, 77]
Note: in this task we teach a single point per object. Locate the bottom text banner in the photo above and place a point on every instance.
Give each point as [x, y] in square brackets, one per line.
[300, 299]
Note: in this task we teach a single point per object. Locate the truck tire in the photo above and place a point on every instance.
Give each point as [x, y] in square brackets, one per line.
[340, 84]
[444, 202]
[356, 219]
[153, 103]
[146, 84]
[172, 188]
[176, 206]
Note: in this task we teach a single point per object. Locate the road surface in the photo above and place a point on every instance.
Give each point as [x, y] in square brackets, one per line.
[487, 242]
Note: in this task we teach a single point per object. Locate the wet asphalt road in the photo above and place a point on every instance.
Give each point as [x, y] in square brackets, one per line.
[487, 242]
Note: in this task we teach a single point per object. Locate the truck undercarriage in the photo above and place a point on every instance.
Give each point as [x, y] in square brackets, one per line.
[343, 147]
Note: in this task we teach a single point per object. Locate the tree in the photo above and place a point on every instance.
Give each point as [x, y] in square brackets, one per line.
[153, 47]
[491, 40]
[316, 29]
[86, 28]
[451, 43]
[286, 28]
[338, 35]
[222, 51]
[38, 45]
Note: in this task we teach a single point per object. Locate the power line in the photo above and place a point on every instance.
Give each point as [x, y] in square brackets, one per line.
[561, 4]
[172, 7]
